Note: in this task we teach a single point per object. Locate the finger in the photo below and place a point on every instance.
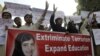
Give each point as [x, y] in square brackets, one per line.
[46, 4]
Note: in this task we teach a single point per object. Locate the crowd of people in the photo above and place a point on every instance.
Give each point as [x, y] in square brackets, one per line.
[55, 24]
[84, 27]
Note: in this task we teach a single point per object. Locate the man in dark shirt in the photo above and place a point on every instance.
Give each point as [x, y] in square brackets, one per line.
[57, 25]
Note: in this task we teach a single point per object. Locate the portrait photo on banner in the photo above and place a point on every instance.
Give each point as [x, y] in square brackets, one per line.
[41, 43]
[21, 43]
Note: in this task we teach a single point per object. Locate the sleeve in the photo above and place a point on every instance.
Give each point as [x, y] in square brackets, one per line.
[41, 19]
[39, 22]
[83, 29]
[52, 21]
[84, 24]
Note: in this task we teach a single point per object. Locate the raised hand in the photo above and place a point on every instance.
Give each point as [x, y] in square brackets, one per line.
[47, 5]
[65, 22]
[45, 11]
[54, 8]
[65, 19]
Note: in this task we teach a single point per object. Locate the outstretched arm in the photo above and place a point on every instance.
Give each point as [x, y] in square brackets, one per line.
[85, 23]
[65, 23]
[86, 19]
[45, 11]
[43, 15]
[53, 16]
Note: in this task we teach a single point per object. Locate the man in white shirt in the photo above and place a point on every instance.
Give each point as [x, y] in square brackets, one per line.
[28, 19]
[5, 22]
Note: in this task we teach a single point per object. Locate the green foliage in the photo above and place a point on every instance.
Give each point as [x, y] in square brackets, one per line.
[88, 5]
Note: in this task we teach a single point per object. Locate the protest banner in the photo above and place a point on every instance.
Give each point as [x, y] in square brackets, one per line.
[17, 9]
[47, 44]
[98, 20]
[96, 33]
[76, 19]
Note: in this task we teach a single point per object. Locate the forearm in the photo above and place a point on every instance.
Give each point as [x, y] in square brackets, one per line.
[42, 17]
[44, 13]
[65, 25]
[52, 18]
[84, 24]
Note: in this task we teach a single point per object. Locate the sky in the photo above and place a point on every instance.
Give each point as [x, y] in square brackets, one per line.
[67, 6]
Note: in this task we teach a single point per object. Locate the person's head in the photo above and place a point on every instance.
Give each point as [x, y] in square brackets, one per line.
[59, 21]
[24, 45]
[28, 18]
[17, 21]
[6, 15]
[71, 24]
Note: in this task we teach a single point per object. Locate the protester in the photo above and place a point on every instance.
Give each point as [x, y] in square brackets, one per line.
[28, 19]
[6, 20]
[18, 22]
[28, 22]
[71, 27]
[83, 29]
[57, 25]
[5, 23]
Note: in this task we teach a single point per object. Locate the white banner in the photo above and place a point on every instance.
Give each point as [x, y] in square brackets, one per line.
[84, 14]
[18, 12]
[98, 20]
[96, 33]
[18, 9]
[76, 19]
[97, 14]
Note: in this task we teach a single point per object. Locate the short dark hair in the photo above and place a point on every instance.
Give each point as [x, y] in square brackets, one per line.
[28, 15]
[24, 36]
[16, 18]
